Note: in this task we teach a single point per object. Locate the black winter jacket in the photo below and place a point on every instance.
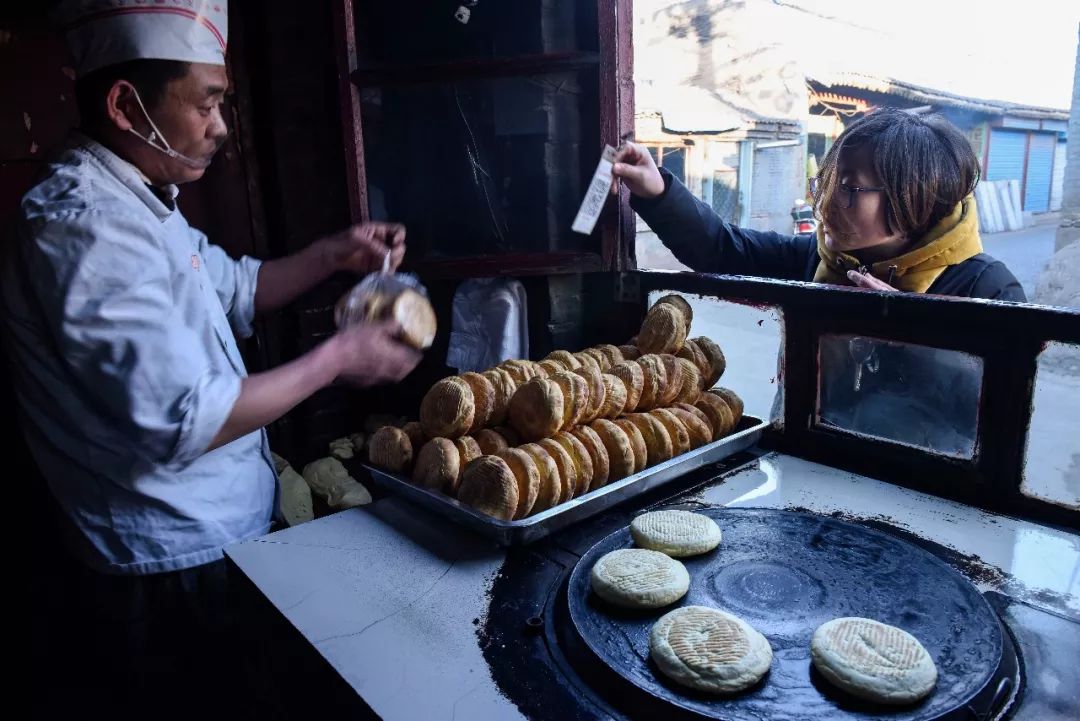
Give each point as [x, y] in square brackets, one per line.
[700, 239]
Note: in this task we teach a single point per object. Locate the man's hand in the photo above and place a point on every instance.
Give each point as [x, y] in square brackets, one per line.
[365, 355]
[865, 280]
[362, 248]
[371, 354]
[635, 167]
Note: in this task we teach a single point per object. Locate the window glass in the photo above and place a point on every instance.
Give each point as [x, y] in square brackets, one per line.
[408, 32]
[751, 340]
[482, 167]
[1052, 462]
[905, 393]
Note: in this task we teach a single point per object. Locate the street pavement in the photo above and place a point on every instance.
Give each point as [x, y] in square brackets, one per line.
[1025, 252]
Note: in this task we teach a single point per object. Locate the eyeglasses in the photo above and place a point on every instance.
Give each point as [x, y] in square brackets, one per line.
[846, 192]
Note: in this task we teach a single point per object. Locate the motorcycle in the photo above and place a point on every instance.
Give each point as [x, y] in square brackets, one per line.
[805, 224]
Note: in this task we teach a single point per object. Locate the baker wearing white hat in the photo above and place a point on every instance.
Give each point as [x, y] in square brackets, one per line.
[121, 318]
[173, 52]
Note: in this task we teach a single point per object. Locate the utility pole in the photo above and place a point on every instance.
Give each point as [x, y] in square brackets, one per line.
[1069, 230]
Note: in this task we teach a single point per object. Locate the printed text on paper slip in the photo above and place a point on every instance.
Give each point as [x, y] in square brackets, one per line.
[598, 191]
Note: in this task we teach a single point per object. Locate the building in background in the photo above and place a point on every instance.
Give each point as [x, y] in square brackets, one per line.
[739, 99]
[1012, 141]
[720, 101]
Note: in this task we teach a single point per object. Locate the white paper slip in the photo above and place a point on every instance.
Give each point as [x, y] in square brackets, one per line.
[599, 189]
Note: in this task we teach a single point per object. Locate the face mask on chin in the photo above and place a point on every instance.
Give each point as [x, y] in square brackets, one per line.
[157, 141]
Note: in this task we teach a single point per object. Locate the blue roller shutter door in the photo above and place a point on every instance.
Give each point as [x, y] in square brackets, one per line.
[1006, 160]
[1040, 169]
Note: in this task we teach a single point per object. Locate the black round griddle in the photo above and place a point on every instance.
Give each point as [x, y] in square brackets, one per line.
[786, 573]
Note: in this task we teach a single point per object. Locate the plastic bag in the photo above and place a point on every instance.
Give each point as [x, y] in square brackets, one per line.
[369, 299]
[390, 296]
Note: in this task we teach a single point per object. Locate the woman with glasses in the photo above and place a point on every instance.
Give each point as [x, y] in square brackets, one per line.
[894, 197]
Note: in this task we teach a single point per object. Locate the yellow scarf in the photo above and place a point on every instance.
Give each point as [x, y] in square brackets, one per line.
[953, 240]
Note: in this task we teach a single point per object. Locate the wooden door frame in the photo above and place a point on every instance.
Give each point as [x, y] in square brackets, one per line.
[616, 99]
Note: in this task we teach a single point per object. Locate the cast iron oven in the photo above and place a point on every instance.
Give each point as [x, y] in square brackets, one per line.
[785, 573]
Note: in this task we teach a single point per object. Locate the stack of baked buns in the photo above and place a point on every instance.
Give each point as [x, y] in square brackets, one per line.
[525, 436]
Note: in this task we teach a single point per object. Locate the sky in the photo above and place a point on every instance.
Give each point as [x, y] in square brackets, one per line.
[1017, 51]
[1022, 52]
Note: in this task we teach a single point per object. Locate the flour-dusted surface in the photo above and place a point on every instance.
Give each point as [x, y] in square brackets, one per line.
[389, 599]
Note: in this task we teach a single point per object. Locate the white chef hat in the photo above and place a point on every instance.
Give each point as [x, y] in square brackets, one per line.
[107, 32]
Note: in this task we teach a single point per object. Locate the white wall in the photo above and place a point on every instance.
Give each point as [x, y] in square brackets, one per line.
[779, 178]
[1057, 182]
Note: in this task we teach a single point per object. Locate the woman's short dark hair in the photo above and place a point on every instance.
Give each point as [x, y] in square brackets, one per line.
[150, 78]
[924, 162]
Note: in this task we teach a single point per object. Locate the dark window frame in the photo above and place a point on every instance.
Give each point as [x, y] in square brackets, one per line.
[1009, 337]
[614, 65]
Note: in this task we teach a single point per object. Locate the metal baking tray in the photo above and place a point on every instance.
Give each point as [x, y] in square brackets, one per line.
[533, 528]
